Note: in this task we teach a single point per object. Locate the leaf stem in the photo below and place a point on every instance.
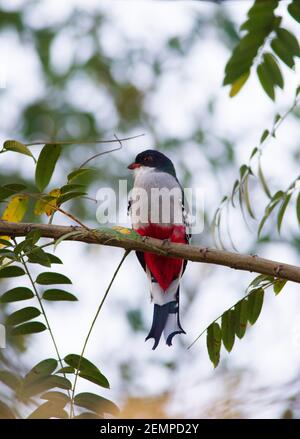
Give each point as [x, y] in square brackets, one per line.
[28, 253]
[43, 312]
[217, 318]
[91, 328]
[42, 309]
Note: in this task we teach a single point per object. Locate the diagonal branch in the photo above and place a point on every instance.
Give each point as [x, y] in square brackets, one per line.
[131, 241]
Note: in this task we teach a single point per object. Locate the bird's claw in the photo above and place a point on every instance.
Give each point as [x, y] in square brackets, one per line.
[278, 269]
[204, 251]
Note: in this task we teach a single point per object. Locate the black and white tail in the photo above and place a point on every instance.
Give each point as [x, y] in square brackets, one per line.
[166, 311]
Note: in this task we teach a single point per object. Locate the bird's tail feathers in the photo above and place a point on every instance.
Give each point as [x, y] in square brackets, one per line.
[165, 313]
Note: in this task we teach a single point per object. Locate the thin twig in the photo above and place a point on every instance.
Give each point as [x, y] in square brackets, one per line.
[74, 142]
[41, 306]
[219, 316]
[91, 328]
[101, 153]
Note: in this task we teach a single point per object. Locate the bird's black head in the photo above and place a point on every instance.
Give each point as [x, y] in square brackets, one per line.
[153, 159]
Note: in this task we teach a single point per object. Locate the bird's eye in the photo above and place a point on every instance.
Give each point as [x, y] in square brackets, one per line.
[147, 159]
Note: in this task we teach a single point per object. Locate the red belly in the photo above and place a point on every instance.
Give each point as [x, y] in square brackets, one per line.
[164, 269]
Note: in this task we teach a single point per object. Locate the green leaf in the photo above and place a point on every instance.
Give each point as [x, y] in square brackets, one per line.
[60, 382]
[282, 210]
[213, 342]
[23, 246]
[6, 412]
[11, 271]
[38, 256]
[262, 7]
[70, 188]
[66, 369]
[268, 211]
[265, 80]
[289, 40]
[264, 135]
[64, 237]
[294, 10]
[78, 173]
[234, 188]
[28, 328]
[69, 196]
[241, 317]
[87, 370]
[50, 278]
[228, 329]
[13, 145]
[7, 253]
[10, 379]
[281, 50]
[5, 242]
[34, 387]
[254, 151]
[298, 207]
[58, 398]
[255, 303]
[261, 279]
[243, 56]
[33, 236]
[42, 369]
[16, 294]
[277, 118]
[23, 315]
[262, 17]
[263, 181]
[88, 415]
[278, 285]
[56, 294]
[48, 410]
[243, 170]
[46, 164]
[238, 66]
[247, 198]
[10, 189]
[54, 259]
[238, 84]
[95, 403]
[273, 69]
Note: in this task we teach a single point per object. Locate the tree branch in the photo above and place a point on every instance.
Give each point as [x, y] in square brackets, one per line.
[128, 241]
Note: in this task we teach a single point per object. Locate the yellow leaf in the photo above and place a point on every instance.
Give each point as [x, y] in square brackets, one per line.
[15, 211]
[50, 205]
[122, 230]
[39, 208]
[238, 84]
[16, 208]
[47, 205]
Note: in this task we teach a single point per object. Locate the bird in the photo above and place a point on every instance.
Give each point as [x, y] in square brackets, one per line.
[154, 172]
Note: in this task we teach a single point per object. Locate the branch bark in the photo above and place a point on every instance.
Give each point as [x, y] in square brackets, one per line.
[251, 263]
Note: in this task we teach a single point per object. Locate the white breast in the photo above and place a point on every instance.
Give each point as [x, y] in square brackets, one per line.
[163, 202]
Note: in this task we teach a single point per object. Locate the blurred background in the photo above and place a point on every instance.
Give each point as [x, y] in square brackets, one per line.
[85, 69]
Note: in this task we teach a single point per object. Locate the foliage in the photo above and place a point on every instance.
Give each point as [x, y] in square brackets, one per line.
[265, 46]
[48, 379]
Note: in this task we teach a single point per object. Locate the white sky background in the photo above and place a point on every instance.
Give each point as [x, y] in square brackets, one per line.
[271, 349]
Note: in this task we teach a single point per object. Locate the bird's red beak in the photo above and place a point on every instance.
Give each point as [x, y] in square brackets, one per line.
[134, 165]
